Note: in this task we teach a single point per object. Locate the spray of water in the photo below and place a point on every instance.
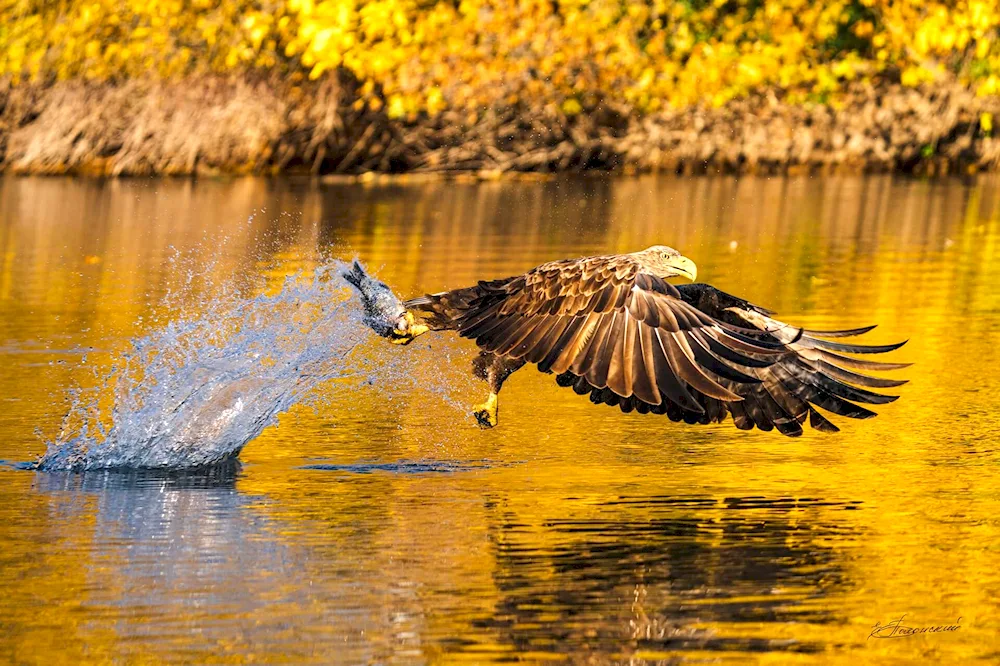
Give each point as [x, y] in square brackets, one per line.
[195, 391]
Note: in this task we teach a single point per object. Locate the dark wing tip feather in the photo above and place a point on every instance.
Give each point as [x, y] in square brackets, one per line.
[861, 364]
[857, 378]
[856, 349]
[820, 422]
[845, 333]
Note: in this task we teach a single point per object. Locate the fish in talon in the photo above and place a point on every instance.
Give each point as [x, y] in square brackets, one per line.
[384, 312]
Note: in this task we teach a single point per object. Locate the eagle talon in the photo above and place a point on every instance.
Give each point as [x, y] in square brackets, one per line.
[406, 330]
[486, 413]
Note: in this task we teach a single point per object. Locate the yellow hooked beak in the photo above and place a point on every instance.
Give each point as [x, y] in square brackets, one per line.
[684, 266]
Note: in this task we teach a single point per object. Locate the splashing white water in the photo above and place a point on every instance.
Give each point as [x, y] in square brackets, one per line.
[193, 393]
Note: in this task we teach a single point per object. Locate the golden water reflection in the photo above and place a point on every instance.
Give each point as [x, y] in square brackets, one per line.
[383, 526]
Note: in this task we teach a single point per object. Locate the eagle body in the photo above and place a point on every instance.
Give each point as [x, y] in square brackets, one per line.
[613, 328]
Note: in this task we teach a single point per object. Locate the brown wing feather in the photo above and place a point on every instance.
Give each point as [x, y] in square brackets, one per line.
[646, 388]
[576, 346]
[617, 381]
[599, 365]
[667, 380]
[507, 340]
[693, 374]
[540, 327]
[589, 353]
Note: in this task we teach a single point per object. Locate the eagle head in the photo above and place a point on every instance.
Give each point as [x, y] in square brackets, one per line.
[666, 262]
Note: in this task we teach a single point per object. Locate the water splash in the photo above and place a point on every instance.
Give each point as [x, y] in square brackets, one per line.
[194, 392]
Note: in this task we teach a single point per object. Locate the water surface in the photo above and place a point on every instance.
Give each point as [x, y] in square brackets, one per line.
[378, 524]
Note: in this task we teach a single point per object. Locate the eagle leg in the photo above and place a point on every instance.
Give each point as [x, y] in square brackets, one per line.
[486, 412]
[408, 334]
[494, 370]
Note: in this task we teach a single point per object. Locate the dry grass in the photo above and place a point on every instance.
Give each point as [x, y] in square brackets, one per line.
[233, 125]
[139, 128]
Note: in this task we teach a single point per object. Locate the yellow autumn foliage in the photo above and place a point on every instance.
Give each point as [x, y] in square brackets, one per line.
[424, 56]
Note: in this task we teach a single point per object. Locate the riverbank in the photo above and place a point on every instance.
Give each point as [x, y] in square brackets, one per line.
[209, 125]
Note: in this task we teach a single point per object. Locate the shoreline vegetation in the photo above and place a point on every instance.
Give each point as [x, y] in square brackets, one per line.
[212, 125]
[487, 87]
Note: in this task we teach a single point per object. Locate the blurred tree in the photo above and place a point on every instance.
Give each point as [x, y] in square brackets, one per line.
[424, 56]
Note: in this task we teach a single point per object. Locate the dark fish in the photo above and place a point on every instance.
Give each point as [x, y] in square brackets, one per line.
[384, 313]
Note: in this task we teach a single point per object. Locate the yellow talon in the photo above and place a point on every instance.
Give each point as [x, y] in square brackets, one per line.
[486, 413]
[404, 336]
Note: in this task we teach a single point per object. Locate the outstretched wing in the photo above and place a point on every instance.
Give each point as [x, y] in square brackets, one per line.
[630, 338]
[814, 373]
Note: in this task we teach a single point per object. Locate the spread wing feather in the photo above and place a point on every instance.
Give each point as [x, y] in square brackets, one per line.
[627, 338]
[597, 371]
[645, 363]
[846, 333]
[704, 356]
[856, 377]
[671, 386]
